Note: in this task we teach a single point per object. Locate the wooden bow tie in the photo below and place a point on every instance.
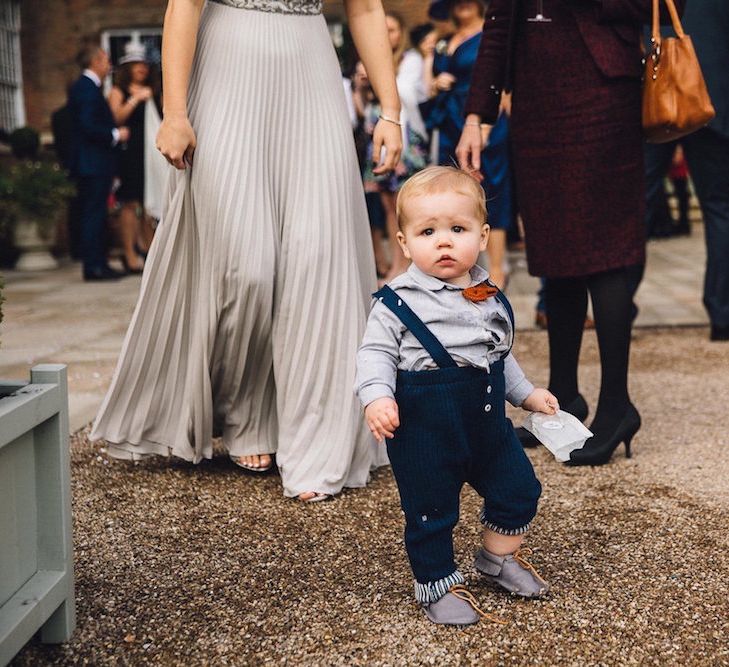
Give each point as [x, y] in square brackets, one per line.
[479, 292]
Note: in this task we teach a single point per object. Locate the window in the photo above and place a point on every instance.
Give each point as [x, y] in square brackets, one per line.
[12, 111]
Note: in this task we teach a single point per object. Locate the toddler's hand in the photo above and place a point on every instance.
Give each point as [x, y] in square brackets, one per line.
[541, 400]
[383, 418]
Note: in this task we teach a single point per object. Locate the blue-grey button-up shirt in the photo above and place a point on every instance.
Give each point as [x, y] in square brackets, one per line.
[475, 334]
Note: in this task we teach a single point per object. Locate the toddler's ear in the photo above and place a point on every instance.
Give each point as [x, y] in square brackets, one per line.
[403, 244]
[485, 229]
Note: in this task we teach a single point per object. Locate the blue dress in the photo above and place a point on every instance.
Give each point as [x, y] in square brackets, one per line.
[445, 114]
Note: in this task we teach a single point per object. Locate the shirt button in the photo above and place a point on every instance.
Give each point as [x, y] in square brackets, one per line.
[488, 407]
[488, 389]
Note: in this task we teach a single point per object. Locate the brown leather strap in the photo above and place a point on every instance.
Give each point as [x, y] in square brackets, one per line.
[675, 21]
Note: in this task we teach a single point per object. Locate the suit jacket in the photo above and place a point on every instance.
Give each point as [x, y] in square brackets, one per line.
[92, 151]
[707, 22]
[611, 30]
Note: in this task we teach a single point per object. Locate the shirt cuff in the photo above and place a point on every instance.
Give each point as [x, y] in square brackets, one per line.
[517, 395]
[374, 391]
[114, 136]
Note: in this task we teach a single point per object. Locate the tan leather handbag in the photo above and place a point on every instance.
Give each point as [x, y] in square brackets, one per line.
[675, 99]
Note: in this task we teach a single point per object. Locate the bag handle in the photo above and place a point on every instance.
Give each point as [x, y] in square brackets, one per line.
[656, 30]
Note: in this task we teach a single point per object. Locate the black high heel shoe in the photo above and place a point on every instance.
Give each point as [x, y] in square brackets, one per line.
[599, 449]
[578, 408]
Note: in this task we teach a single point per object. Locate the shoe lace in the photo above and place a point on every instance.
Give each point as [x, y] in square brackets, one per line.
[520, 556]
[462, 593]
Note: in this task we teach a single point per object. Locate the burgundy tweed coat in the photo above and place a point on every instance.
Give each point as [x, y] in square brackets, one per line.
[576, 138]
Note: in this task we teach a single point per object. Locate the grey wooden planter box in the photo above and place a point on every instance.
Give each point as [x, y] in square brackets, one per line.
[36, 549]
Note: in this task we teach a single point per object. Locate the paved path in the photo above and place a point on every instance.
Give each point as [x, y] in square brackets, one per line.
[56, 317]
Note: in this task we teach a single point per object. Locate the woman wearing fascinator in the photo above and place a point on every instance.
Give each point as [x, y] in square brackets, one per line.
[135, 87]
[256, 288]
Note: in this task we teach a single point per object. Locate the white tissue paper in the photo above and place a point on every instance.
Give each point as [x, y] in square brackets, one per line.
[560, 433]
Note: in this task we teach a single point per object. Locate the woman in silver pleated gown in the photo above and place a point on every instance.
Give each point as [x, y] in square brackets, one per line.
[256, 288]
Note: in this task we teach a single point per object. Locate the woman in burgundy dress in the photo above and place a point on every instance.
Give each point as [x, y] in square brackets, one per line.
[574, 67]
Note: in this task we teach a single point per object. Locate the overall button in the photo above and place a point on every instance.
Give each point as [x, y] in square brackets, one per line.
[487, 408]
[488, 389]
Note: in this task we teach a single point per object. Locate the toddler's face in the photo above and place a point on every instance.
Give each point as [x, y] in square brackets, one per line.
[443, 234]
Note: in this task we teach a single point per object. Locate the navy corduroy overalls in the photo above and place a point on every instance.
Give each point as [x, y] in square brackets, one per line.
[453, 429]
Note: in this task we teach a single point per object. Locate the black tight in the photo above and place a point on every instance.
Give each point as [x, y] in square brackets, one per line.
[612, 304]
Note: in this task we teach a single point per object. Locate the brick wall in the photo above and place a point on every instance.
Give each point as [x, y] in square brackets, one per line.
[52, 32]
[51, 35]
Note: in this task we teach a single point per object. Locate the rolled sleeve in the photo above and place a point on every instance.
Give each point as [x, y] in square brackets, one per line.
[518, 387]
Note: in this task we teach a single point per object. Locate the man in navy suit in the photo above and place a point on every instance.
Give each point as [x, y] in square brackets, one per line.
[94, 139]
[707, 154]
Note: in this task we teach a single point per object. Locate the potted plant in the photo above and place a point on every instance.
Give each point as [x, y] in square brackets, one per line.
[33, 192]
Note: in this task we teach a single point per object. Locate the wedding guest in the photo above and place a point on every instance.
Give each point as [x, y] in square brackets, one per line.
[575, 70]
[453, 64]
[62, 129]
[94, 139]
[678, 174]
[423, 38]
[434, 372]
[414, 155]
[707, 155]
[362, 98]
[133, 89]
[255, 291]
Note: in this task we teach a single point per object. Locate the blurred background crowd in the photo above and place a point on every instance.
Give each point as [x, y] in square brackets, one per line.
[104, 208]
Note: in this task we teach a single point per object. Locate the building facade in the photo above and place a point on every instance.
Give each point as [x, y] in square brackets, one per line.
[39, 43]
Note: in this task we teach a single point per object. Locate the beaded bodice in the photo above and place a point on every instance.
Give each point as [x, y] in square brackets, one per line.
[276, 6]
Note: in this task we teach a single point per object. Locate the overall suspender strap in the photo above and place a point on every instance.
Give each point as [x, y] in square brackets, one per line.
[426, 338]
[510, 312]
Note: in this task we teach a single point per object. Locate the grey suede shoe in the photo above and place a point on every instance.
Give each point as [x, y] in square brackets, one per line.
[451, 610]
[512, 572]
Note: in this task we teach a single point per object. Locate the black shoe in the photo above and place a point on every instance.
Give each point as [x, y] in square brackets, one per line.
[719, 333]
[599, 448]
[577, 407]
[104, 273]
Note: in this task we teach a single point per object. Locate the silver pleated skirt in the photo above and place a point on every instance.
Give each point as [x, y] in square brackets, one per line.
[255, 292]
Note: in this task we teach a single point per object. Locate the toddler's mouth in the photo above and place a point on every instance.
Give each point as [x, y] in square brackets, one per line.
[446, 259]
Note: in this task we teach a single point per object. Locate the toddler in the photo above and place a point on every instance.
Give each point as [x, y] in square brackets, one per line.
[433, 373]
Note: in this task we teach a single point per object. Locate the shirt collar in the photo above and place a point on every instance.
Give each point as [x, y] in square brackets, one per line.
[93, 76]
[478, 275]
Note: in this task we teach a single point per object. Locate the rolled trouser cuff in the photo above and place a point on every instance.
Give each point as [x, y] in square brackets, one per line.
[433, 591]
[501, 530]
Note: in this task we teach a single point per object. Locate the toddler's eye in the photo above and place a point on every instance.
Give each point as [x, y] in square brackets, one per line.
[457, 229]
[428, 231]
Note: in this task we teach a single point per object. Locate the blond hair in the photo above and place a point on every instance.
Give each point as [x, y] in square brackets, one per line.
[441, 179]
[398, 53]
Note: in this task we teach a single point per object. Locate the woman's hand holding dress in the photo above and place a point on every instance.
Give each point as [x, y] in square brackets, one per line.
[176, 141]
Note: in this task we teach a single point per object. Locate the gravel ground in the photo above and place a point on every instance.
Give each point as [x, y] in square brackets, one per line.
[183, 565]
